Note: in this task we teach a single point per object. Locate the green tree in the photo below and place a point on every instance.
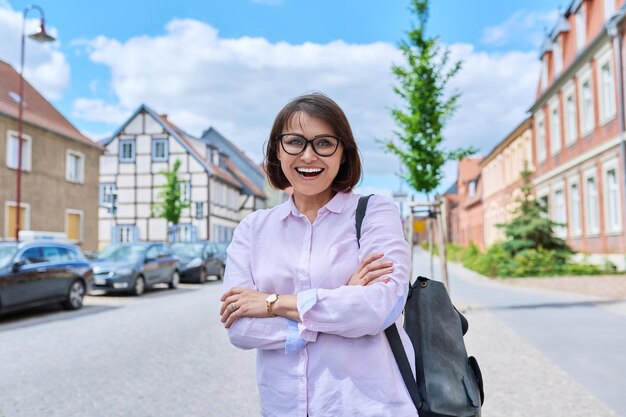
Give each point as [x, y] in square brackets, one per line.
[427, 105]
[171, 202]
[531, 226]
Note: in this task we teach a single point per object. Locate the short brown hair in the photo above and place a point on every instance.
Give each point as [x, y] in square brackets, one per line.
[320, 107]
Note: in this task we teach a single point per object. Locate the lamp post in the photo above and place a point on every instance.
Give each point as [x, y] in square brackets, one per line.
[39, 36]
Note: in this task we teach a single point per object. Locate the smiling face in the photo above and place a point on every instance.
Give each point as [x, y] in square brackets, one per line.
[310, 174]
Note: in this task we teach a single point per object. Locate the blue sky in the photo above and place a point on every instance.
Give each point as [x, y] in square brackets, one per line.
[232, 64]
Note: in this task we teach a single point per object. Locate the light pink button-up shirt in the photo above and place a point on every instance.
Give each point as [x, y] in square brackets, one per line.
[337, 361]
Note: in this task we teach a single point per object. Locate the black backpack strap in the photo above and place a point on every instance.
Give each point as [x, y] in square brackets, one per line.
[403, 364]
[361, 208]
[392, 331]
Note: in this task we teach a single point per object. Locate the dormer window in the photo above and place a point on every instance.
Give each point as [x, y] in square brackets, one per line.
[609, 8]
[581, 28]
[557, 53]
[544, 73]
[472, 188]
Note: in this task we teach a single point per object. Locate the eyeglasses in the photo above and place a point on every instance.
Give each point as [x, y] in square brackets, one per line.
[295, 144]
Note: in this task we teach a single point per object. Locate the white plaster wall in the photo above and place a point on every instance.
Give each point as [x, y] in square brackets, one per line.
[125, 211]
[176, 147]
[107, 178]
[183, 162]
[143, 195]
[200, 179]
[158, 180]
[157, 167]
[126, 168]
[144, 180]
[158, 229]
[113, 147]
[152, 126]
[125, 196]
[144, 144]
[199, 194]
[143, 210]
[108, 164]
[125, 181]
[135, 127]
[143, 163]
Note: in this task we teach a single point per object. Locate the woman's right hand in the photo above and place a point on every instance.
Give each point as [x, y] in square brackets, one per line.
[372, 270]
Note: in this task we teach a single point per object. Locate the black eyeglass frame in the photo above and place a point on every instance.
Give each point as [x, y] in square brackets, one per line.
[309, 141]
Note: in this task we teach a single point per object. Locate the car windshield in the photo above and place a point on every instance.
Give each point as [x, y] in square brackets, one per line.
[188, 249]
[122, 253]
[6, 254]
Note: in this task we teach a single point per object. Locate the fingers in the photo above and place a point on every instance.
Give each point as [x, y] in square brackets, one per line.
[230, 292]
[371, 258]
[380, 271]
[381, 279]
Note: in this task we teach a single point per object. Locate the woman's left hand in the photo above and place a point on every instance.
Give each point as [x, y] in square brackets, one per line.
[242, 302]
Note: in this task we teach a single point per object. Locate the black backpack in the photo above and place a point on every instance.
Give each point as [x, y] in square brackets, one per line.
[449, 384]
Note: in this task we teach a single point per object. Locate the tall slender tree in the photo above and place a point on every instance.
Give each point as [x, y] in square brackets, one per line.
[427, 105]
[172, 203]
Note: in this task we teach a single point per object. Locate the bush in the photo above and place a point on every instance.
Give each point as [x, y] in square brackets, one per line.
[497, 262]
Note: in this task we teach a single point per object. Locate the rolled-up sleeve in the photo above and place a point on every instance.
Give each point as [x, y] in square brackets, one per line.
[355, 311]
[257, 333]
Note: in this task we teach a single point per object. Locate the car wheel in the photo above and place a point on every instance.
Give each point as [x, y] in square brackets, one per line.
[140, 286]
[220, 274]
[174, 280]
[202, 275]
[75, 296]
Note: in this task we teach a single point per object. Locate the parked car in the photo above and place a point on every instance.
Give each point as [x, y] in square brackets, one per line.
[198, 260]
[220, 248]
[42, 272]
[134, 267]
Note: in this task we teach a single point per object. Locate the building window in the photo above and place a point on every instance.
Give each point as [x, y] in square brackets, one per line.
[593, 218]
[127, 150]
[12, 151]
[543, 202]
[555, 129]
[609, 8]
[472, 188]
[10, 216]
[199, 210]
[557, 52]
[160, 149]
[559, 212]
[570, 119]
[574, 220]
[587, 117]
[612, 202]
[607, 106]
[74, 225]
[541, 139]
[123, 233]
[75, 167]
[107, 194]
[544, 73]
[185, 191]
[581, 29]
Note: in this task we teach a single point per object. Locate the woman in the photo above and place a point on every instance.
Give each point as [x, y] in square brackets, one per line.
[299, 289]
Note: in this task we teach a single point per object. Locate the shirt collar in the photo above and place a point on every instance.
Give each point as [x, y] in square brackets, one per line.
[335, 205]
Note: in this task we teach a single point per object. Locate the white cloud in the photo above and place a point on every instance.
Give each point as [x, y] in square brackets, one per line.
[45, 66]
[238, 85]
[94, 110]
[524, 25]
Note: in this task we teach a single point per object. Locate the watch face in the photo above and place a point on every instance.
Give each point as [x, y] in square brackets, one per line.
[271, 298]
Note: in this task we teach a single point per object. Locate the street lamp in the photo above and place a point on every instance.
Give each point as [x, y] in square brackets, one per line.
[39, 36]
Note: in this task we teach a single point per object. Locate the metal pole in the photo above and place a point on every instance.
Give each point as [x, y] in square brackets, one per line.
[442, 245]
[20, 115]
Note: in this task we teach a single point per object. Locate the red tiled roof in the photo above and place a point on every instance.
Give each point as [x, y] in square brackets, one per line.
[244, 179]
[37, 110]
[189, 142]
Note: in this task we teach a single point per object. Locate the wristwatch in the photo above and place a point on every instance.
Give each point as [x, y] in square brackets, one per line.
[270, 300]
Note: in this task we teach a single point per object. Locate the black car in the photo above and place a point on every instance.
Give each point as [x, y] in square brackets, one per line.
[198, 260]
[133, 267]
[42, 272]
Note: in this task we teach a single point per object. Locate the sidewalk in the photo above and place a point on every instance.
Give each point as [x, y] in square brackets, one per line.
[520, 380]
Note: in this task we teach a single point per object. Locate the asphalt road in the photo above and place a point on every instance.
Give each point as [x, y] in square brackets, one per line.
[162, 354]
